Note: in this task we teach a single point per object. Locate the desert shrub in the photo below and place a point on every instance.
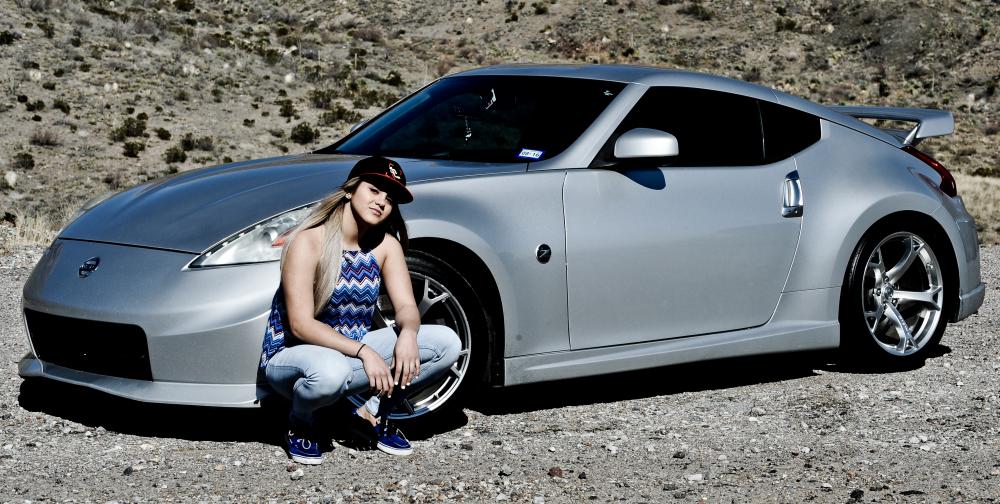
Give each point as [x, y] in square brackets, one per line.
[697, 11]
[36, 118]
[22, 161]
[22, 98]
[51, 86]
[249, 123]
[61, 105]
[47, 28]
[132, 149]
[184, 5]
[162, 133]
[277, 133]
[339, 113]
[8, 38]
[85, 67]
[368, 34]
[785, 24]
[59, 72]
[175, 154]
[142, 116]
[323, 98]
[303, 133]
[131, 127]
[35, 106]
[182, 95]
[44, 138]
[540, 8]
[285, 108]
[30, 65]
[189, 143]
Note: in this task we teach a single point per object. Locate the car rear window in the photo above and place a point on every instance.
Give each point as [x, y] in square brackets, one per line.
[786, 131]
[498, 119]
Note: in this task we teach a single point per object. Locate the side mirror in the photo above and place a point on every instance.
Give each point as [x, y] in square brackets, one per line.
[645, 143]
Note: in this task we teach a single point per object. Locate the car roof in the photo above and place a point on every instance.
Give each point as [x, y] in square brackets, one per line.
[655, 76]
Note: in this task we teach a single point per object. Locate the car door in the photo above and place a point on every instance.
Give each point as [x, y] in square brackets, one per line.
[682, 246]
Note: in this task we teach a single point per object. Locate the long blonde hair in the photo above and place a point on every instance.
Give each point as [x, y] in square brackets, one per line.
[329, 213]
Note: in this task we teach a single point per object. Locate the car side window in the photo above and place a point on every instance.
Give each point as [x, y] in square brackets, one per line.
[786, 131]
[712, 128]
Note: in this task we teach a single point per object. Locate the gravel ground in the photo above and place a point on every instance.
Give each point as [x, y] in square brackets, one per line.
[779, 429]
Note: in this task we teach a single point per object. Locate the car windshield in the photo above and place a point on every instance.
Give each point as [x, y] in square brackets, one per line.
[498, 119]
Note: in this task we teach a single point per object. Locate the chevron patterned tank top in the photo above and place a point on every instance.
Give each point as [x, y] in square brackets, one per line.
[349, 310]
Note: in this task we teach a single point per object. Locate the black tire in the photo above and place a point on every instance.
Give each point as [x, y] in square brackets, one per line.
[866, 340]
[465, 313]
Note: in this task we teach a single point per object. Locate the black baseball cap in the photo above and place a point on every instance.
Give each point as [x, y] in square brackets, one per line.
[386, 173]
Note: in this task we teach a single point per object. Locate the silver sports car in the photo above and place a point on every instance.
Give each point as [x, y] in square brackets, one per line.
[568, 221]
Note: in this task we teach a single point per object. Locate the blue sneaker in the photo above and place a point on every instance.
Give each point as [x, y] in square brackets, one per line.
[391, 440]
[302, 450]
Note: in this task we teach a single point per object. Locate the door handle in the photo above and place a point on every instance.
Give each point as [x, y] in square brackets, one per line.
[791, 205]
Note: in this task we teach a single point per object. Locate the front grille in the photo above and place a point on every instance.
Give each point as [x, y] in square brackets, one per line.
[103, 348]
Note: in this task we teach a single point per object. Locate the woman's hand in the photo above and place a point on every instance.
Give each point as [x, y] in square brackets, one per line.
[379, 376]
[405, 360]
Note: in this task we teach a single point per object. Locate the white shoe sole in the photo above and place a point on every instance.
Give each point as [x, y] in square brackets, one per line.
[395, 451]
[307, 460]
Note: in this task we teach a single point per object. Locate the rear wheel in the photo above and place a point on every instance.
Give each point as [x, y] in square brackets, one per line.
[892, 303]
[444, 297]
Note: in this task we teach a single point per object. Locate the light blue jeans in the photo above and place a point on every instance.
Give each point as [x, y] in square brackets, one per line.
[313, 376]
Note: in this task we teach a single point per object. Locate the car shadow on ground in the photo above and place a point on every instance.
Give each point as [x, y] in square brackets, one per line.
[694, 377]
[266, 424]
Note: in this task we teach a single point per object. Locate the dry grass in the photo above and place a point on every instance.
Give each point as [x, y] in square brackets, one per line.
[39, 228]
[982, 198]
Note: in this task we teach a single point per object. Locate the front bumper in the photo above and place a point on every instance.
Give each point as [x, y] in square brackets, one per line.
[191, 394]
[202, 329]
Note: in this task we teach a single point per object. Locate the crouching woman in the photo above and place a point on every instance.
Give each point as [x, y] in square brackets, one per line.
[317, 345]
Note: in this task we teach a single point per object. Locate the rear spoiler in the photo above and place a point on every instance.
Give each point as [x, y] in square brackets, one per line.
[930, 122]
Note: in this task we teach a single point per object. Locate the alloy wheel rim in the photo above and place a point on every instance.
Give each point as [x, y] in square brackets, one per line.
[902, 294]
[437, 306]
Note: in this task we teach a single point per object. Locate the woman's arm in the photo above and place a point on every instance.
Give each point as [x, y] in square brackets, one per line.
[396, 276]
[297, 278]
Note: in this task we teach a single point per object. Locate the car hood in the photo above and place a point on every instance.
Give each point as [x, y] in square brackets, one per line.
[193, 210]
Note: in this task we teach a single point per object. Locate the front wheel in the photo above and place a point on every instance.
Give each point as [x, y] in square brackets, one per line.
[444, 297]
[892, 303]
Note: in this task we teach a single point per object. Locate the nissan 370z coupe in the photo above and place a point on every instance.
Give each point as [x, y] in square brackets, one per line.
[567, 221]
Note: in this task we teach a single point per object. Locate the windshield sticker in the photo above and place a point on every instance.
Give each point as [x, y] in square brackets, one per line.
[530, 154]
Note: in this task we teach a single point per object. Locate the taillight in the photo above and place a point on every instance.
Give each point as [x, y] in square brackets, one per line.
[947, 181]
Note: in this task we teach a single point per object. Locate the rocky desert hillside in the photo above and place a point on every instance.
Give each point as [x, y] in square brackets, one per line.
[100, 95]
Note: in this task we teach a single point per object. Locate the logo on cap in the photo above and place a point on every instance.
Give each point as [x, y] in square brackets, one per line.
[392, 170]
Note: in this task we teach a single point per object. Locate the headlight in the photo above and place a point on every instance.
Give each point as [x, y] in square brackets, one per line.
[258, 243]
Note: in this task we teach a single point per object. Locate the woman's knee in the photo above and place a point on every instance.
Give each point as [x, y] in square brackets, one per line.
[443, 340]
[327, 380]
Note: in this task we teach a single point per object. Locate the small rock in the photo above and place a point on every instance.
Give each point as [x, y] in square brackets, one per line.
[466, 445]
[670, 487]
[505, 470]
[857, 494]
[538, 499]
[219, 467]
[146, 447]
[292, 467]
[805, 449]
[694, 478]
[583, 475]
[826, 487]
[914, 440]
[679, 454]
[297, 474]
[552, 449]
[613, 449]
[555, 472]
[128, 471]
[10, 178]
[289, 78]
